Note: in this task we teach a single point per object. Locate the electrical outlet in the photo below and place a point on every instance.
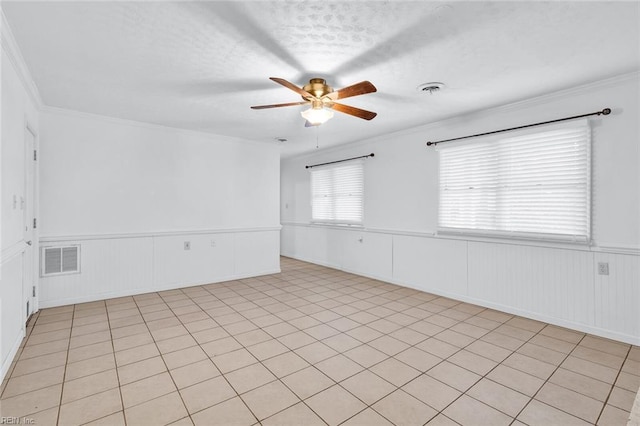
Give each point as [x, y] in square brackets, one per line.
[603, 268]
[213, 243]
[187, 245]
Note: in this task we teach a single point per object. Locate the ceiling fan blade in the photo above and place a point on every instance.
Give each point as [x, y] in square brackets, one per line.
[356, 112]
[279, 105]
[357, 89]
[292, 86]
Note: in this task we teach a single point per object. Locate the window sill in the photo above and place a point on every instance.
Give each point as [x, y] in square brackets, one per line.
[592, 246]
[514, 236]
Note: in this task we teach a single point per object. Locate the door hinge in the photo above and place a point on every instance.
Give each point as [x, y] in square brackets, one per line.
[33, 292]
[35, 155]
[35, 223]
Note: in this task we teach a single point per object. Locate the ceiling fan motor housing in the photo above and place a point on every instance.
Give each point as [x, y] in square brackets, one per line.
[317, 87]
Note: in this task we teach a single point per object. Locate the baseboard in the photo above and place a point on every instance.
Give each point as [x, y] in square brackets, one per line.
[315, 262]
[6, 364]
[585, 328]
[43, 304]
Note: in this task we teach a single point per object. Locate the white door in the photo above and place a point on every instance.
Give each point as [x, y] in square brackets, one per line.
[28, 206]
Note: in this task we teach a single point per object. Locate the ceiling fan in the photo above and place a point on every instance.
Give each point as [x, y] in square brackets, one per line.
[322, 99]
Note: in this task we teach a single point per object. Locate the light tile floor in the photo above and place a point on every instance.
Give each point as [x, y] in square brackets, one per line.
[309, 346]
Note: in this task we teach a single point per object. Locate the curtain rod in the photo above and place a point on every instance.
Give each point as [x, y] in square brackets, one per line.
[339, 161]
[605, 111]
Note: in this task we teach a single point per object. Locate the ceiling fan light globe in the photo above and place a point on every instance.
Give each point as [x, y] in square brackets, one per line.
[317, 116]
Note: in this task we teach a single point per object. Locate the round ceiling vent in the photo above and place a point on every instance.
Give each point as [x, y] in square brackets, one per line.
[430, 88]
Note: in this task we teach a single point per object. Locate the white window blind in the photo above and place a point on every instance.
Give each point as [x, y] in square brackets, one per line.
[530, 186]
[337, 193]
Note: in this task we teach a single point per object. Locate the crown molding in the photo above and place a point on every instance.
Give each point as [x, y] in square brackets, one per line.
[454, 120]
[585, 87]
[10, 47]
[146, 125]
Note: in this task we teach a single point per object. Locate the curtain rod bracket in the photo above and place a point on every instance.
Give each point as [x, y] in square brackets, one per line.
[605, 111]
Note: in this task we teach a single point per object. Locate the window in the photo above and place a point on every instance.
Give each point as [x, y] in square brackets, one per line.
[337, 193]
[535, 185]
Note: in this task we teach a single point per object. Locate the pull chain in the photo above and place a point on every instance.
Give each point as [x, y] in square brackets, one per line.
[317, 136]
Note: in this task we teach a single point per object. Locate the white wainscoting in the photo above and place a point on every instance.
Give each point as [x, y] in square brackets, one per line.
[431, 264]
[108, 268]
[173, 266]
[256, 253]
[366, 251]
[348, 249]
[559, 285]
[617, 295]
[121, 265]
[543, 282]
[12, 325]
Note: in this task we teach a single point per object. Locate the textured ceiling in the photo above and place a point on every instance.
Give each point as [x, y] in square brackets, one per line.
[200, 65]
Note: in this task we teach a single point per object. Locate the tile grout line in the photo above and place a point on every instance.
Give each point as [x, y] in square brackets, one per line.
[547, 381]
[9, 375]
[289, 351]
[389, 356]
[23, 345]
[245, 348]
[200, 346]
[165, 364]
[459, 350]
[124, 417]
[613, 385]
[388, 334]
[365, 344]
[279, 379]
[64, 375]
[464, 347]
[301, 400]
[251, 289]
[78, 378]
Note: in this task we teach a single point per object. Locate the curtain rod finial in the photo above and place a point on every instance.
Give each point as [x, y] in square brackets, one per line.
[606, 111]
[430, 143]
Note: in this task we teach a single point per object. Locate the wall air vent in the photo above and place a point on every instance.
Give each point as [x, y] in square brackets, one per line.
[60, 260]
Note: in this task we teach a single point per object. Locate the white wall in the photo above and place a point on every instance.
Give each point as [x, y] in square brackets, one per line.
[551, 282]
[105, 176]
[19, 103]
[131, 194]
